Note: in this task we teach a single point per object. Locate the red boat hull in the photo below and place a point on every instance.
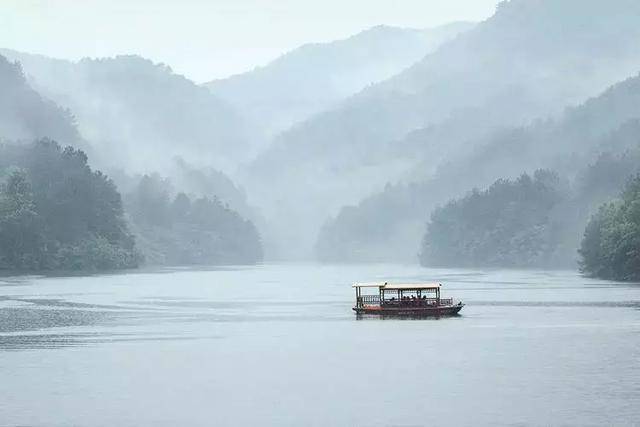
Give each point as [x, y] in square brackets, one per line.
[440, 311]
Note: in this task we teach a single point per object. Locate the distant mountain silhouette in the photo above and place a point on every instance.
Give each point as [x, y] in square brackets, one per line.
[316, 76]
[138, 114]
[531, 59]
[594, 146]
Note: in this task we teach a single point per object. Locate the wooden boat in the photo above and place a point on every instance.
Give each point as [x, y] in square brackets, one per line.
[404, 300]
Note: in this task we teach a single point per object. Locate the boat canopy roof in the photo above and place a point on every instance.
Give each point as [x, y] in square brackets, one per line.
[398, 286]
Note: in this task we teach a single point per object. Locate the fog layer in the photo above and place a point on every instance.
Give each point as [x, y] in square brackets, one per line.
[388, 145]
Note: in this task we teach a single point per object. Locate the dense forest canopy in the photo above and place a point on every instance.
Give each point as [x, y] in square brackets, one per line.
[178, 229]
[509, 224]
[611, 245]
[56, 213]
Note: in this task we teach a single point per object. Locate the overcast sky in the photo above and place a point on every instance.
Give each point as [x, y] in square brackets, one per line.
[209, 39]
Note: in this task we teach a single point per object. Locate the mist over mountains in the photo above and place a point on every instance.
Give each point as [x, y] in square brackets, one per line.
[313, 77]
[138, 114]
[25, 114]
[351, 150]
[387, 225]
[58, 213]
[531, 60]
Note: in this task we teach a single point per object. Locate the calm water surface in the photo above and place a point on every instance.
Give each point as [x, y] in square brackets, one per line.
[279, 345]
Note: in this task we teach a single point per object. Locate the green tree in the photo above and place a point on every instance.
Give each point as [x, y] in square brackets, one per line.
[507, 225]
[610, 248]
[21, 232]
[189, 230]
[56, 213]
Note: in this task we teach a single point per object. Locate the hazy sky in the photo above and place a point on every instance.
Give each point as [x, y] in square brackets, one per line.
[209, 39]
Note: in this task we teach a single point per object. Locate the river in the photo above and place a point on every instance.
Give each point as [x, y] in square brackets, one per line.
[279, 345]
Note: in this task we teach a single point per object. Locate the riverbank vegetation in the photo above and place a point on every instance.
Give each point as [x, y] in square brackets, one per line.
[540, 221]
[174, 228]
[510, 223]
[610, 248]
[361, 175]
[58, 214]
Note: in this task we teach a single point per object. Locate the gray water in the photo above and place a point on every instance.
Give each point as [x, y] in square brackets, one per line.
[279, 345]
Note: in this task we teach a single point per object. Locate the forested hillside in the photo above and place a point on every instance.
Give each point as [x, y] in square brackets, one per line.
[611, 245]
[56, 213]
[530, 60]
[178, 229]
[603, 132]
[509, 224]
[538, 221]
[361, 167]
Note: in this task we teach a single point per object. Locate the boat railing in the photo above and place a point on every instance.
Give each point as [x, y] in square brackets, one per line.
[418, 302]
[375, 300]
[370, 299]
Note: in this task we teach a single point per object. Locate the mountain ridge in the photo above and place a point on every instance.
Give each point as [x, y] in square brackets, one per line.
[509, 70]
[603, 125]
[315, 76]
[140, 106]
